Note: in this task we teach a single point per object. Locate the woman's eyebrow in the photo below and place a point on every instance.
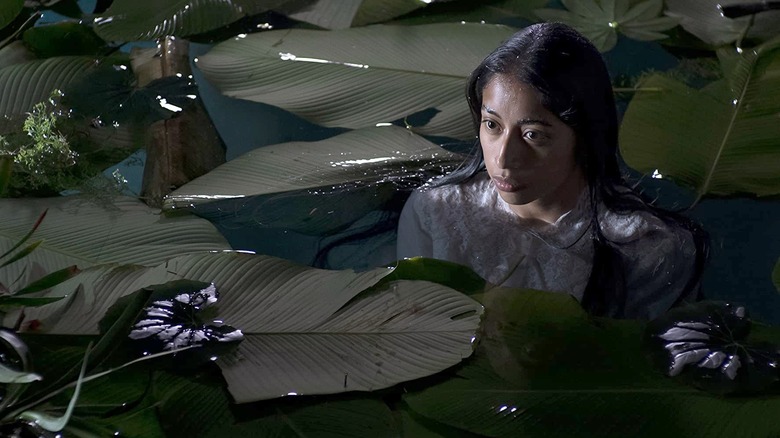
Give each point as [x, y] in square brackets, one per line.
[528, 121]
[523, 121]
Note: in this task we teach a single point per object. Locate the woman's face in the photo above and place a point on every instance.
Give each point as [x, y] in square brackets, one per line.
[529, 152]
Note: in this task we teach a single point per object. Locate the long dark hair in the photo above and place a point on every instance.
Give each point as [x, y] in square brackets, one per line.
[573, 82]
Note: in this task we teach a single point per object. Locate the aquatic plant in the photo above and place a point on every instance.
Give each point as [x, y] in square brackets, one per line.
[541, 365]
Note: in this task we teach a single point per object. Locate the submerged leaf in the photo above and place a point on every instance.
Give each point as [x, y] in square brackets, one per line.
[544, 368]
[705, 342]
[719, 140]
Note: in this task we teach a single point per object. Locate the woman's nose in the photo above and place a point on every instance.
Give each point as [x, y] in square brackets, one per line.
[510, 152]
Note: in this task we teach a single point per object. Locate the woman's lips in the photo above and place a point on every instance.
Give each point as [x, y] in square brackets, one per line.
[506, 185]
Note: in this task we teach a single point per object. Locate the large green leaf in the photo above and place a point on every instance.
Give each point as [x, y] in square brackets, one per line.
[306, 331]
[491, 11]
[704, 19]
[722, 139]
[601, 20]
[132, 20]
[543, 368]
[9, 9]
[24, 85]
[196, 407]
[341, 14]
[77, 231]
[358, 77]
[345, 169]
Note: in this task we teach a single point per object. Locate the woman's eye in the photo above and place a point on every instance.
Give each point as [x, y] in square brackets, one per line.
[533, 135]
[490, 125]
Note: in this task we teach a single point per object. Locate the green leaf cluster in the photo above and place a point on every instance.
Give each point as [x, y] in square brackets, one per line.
[47, 161]
[602, 20]
[721, 139]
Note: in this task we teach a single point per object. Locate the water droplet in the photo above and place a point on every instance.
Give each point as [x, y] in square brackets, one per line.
[657, 174]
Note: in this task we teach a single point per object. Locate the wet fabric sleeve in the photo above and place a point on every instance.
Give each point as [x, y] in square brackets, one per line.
[413, 237]
[658, 268]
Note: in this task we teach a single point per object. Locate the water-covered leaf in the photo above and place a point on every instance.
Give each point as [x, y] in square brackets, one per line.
[544, 368]
[359, 77]
[704, 19]
[316, 187]
[307, 331]
[719, 140]
[458, 277]
[81, 232]
[110, 94]
[707, 344]
[210, 413]
[9, 9]
[776, 275]
[64, 39]
[133, 20]
[601, 20]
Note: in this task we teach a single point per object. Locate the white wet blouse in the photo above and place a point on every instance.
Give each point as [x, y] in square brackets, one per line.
[470, 224]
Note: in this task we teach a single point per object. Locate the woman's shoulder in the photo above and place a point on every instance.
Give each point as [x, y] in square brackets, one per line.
[642, 234]
[474, 193]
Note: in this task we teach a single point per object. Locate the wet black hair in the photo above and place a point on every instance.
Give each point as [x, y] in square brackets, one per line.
[573, 83]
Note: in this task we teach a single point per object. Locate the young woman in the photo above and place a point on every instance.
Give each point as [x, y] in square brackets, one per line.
[542, 203]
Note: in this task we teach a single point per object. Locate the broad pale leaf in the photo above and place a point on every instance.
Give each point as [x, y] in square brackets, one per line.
[24, 85]
[704, 19]
[342, 14]
[361, 158]
[359, 77]
[720, 140]
[132, 20]
[77, 231]
[307, 331]
[494, 11]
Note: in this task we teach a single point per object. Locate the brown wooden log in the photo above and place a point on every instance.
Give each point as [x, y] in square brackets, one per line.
[185, 146]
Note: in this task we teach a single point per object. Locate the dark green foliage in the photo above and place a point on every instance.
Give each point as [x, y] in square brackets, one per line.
[64, 39]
